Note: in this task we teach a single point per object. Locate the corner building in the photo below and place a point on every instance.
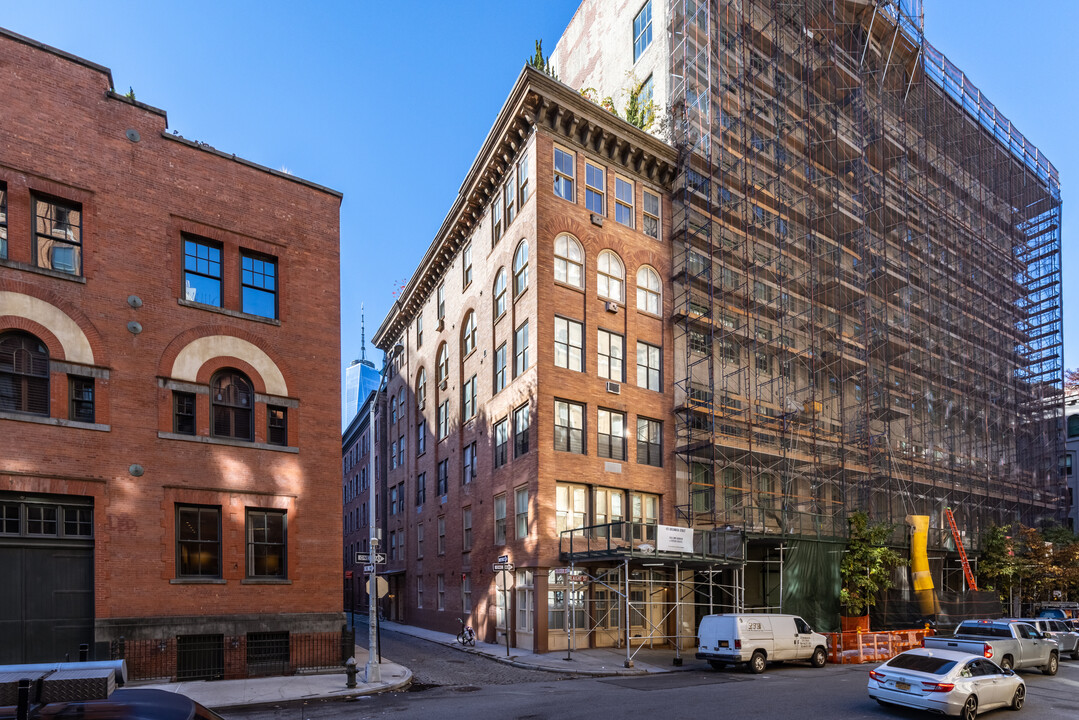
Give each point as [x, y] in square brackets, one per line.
[165, 480]
[530, 409]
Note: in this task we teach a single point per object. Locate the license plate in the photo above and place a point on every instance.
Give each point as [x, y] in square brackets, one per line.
[724, 643]
[902, 686]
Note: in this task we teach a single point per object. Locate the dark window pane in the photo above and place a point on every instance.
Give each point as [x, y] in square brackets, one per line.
[82, 399]
[277, 418]
[24, 374]
[198, 541]
[232, 400]
[183, 413]
[202, 272]
[78, 521]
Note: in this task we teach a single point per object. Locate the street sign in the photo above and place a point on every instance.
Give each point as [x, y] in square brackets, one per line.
[504, 581]
[348, 574]
[503, 558]
[377, 558]
[382, 585]
[502, 566]
[368, 568]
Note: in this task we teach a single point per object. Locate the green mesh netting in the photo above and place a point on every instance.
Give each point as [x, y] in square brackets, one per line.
[811, 582]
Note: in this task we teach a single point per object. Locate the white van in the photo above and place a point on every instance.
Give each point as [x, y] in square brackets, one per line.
[758, 639]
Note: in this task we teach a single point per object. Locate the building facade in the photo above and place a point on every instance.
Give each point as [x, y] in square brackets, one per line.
[1070, 460]
[361, 379]
[165, 479]
[866, 271]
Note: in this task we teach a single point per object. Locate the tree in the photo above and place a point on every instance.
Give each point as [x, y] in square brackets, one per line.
[541, 63]
[997, 566]
[867, 565]
[1071, 379]
[638, 114]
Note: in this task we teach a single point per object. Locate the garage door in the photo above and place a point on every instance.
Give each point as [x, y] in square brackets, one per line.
[47, 566]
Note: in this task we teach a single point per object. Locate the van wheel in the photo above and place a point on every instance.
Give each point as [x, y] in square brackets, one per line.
[717, 664]
[1052, 666]
[819, 658]
[757, 663]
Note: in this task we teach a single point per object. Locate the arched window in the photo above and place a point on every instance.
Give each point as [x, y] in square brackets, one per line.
[442, 371]
[520, 269]
[421, 389]
[468, 334]
[500, 293]
[1073, 425]
[610, 276]
[393, 410]
[231, 402]
[649, 290]
[568, 261]
[24, 374]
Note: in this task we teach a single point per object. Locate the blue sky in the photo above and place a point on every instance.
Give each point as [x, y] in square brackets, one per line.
[389, 102]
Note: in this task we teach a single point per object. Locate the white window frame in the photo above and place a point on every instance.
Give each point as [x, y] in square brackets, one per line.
[568, 261]
[610, 276]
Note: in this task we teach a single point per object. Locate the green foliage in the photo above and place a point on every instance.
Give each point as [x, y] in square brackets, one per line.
[638, 114]
[541, 63]
[130, 94]
[1031, 563]
[867, 564]
[997, 567]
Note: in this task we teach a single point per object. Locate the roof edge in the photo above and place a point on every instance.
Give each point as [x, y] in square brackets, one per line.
[58, 52]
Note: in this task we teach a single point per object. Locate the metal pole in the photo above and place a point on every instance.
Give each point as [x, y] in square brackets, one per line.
[506, 609]
[625, 619]
[677, 615]
[569, 609]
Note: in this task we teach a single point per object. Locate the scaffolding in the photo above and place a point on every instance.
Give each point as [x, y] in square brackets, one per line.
[867, 279]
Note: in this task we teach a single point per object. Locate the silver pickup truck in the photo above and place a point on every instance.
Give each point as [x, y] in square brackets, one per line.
[1009, 644]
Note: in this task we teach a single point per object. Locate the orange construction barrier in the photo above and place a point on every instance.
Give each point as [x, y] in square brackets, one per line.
[862, 647]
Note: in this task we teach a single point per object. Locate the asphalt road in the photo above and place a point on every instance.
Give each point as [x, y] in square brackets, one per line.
[450, 684]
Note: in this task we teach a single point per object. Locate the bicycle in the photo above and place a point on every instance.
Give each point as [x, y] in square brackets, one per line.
[467, 636]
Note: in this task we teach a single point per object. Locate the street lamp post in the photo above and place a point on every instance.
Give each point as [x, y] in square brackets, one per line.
[374, 669]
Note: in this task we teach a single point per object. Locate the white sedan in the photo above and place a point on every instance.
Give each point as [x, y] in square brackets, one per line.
[946, 681]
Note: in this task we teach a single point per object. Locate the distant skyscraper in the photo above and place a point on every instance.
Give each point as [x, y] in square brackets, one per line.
[361, 378]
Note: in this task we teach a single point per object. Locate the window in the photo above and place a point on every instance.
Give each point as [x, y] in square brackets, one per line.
[525, 600]
[500, 519]
[466, 592]
[468, 406]
[443, 419]
[1073, 425]
[466, 529]
[510, 195]
[520, 349]
[500, 367]
[609, 511]
[568, 344]
[466, 266]
[81, 399]
[594, 187]
[421, 495]
[563, 175]
[521, 421]
[202, 271]
[468, 335]
[610, 350]
[520, 507]
[421, 437]
[421, 389]
[393, 546]
[612, 435]
[520, 269]
[183, 413]
[198, 541]
[569, 427]
[522, 181]
[231, 401]
[502, 432]
[266, 544]
[419, 540]
[443, 477]
[258, 285]
[642, 30]
[644, 514]
[58, 233]
[623, 201]
[3, 221]
[440, 298]
[651, 215]
[568, 261]
[401, 451]
[648, 366]
[500, 293]
[393, 455]
[393, 409]
[610, 276]
[24, 374]
[571, 506]
[649, 290]
[496, 221]
[649, 442]
[277, 425]
[468, 464]
[441, 591]
[442, 370]
[441, 535]
[419, 330]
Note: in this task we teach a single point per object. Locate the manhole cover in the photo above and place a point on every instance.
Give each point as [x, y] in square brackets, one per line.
[466, 688]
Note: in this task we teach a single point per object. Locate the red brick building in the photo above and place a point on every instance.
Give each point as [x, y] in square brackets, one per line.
[162, 386]
[532, 391]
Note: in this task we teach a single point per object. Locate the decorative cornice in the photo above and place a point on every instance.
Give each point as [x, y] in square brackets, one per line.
[536, 100]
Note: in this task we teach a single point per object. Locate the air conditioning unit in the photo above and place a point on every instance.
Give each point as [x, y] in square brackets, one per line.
[441, 324]
[612, 307]
[442, 385]
[615, 388]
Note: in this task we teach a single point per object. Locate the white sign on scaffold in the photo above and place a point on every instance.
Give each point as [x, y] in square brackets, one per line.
[670, 538]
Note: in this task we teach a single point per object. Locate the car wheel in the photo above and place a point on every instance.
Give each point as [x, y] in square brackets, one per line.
[1053, 665]
[970, 709]
[757, 663]
[1006, 662]
[819, 658]
[1019, 698]
[717, 664]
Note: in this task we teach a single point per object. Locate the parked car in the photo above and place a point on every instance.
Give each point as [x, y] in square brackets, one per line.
[122, 704]
[756, 639]
[1012, 644]
[946, 681]
[1066, 637]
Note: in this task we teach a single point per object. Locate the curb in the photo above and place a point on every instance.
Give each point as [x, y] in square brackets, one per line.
[386, 687]
[529, 666]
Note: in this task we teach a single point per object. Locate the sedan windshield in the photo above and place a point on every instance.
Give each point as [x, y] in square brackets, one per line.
[921, 663]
